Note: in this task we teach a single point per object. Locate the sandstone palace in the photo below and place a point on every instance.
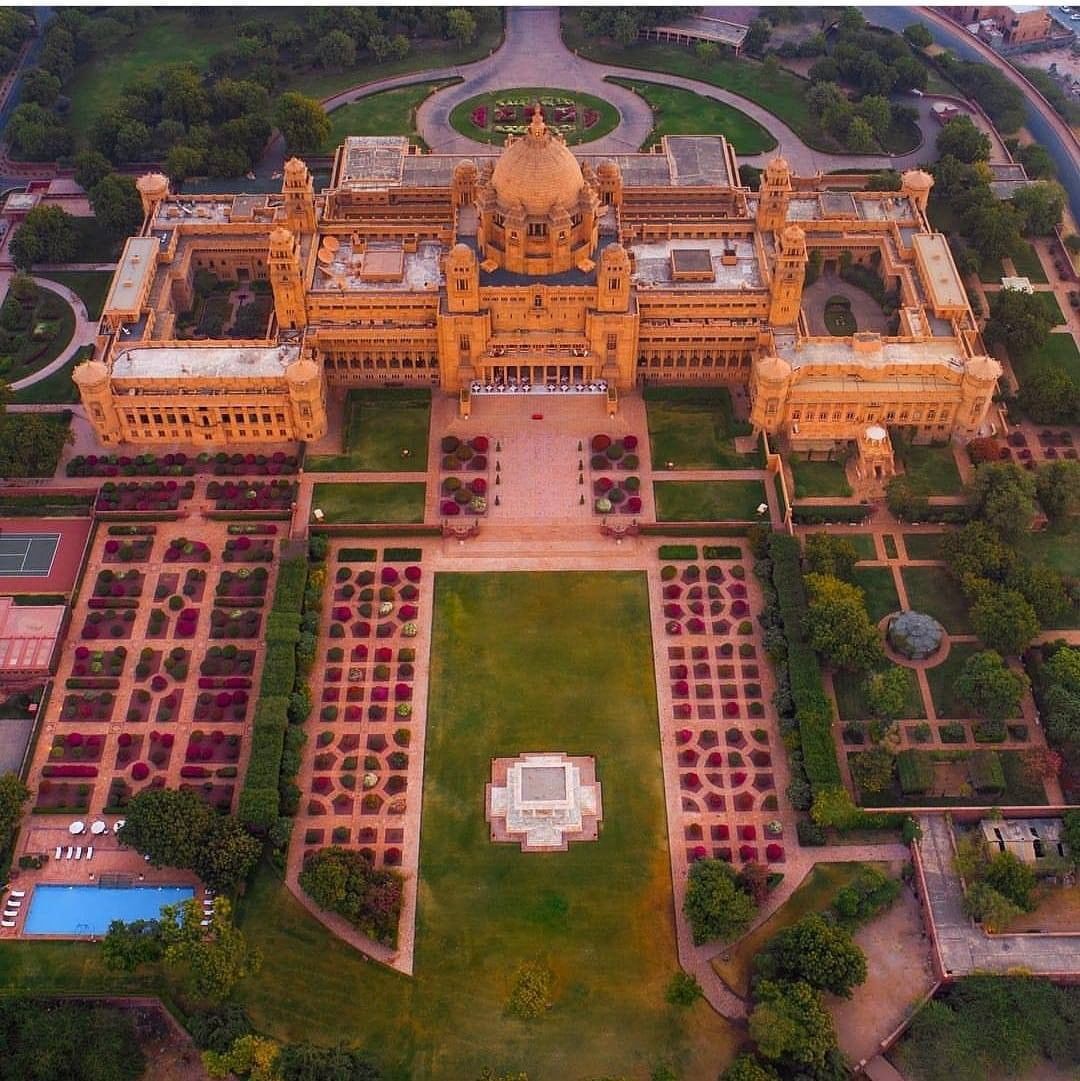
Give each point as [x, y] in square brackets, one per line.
[535, 267]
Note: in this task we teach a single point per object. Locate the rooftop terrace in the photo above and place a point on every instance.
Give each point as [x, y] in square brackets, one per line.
[653, 264]
[215, 362]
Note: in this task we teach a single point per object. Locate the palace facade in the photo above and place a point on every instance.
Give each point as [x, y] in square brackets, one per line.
[534, 267]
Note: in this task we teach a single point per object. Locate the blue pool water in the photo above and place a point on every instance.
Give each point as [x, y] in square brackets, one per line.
[88, 910]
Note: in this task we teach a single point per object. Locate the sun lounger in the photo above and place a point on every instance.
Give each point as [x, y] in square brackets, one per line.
[13, 901]
[70, 850]
[59, 851]
[18, 893]
[204, 923]
[7, 923]
[11, 915]
[78, 852]
[90, 853]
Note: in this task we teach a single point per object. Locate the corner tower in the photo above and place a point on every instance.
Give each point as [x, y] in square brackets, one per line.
[789, 274]
[285, 280]
[774, 195]
[299, 192]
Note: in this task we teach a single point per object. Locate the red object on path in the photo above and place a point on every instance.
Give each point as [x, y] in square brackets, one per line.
[538, 416]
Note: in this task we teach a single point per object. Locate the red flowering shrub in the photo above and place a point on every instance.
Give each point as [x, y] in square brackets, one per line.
[684, 735]
[140, 771]
[600, 443]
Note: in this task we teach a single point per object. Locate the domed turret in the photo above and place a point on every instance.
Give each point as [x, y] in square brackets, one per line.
[152, 189]
[916, 183]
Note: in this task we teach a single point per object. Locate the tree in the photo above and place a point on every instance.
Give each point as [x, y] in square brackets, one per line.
[993, 228]
[1012, 878]
[877, 112]
[747, 1068]
[1048, 395]
[1057, 485]
[860, 136]
[13, 794]
[817, 952]
[1044, 589]
[838, 625]
[706, 51]
[219, 1027]
[833, 807]
[886, 692]
[251, 1056]
[918, 35]
[345, 882]
[47, 235]
[126, 946]
[1004, 496]
[117, 205]
[906, 501]
[757, 36]
[851, 20]
[1004, 620]
[715, 905]
[1037, 162]
[1018, 320]
[168, 825]
[306, 1062]
[872, 770]
[227, 855]
[41, 87]
[790, 1025]
[990, 908]
[182, 162]
[960, 138]
[338, 50]
[216, 957]
[302, 122]
[461, 26]
[91, 167]
[831, 554]
[990, 687]
[1040, 206]
[754, 880]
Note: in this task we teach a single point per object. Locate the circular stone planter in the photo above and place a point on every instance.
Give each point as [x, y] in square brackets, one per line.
[491, 117]
[915, 636]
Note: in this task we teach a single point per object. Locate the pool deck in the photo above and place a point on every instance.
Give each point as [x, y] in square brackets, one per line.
[43, 833]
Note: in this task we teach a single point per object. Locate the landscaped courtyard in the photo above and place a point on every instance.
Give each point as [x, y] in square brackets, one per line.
[383, 431]
[693, 428]
[519, 662]
[708, 500]
[491, 117]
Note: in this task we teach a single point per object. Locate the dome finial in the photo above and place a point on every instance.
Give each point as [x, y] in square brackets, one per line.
[537, 125]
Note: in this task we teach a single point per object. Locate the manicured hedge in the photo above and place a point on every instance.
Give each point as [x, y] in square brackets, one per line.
[813, 710]
[916, 772]
[678, 551]
[821, 515]
[357, 555]
[260, 801]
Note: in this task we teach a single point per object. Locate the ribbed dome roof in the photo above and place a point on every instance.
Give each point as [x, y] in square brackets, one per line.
[538, 171]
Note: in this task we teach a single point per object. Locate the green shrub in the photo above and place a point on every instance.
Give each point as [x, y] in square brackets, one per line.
[986, 773]
[916, 772]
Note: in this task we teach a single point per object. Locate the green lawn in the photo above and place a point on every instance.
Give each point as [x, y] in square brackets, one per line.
[94, 244]
[362, 503]
[708, 500]
[91, 286]
[56, 388]
[781, 92]
[923, 545]
[863, 544]
[931, 590]
[391, 112]
[1049, 301]
[693, 428]
[815, 894]
[1027, 263]
[851, 702]
[932, 468]
[880, 589]
[942, 679]
[682, 112]
[819, 478]
[1060, 550]
[1059, 350]
[12, 366]
[379, 424]
[991, 271]
[515, 664]
[461, 114]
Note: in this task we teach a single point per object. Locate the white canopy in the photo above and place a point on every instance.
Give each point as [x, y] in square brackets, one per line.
[77, 827]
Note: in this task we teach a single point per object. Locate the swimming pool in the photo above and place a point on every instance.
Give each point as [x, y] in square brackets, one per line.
[88, 910]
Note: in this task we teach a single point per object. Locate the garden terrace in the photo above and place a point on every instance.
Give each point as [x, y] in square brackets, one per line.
[361, 773]
[152, 497]
[466, 493]
[717, 683]
[617, 492]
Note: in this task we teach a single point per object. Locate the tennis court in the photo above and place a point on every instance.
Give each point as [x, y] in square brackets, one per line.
[27, 555]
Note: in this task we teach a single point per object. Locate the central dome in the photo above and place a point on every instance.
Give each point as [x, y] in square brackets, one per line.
[538, 171]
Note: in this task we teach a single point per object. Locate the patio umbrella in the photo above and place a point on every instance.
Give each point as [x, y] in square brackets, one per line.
[77, 827]
[117, 825]
[98, 828]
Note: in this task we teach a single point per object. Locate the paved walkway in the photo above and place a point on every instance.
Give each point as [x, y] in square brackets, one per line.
[964, 948]
[85, 331]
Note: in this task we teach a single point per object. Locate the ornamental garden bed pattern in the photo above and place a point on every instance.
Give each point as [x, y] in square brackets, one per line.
[185, 684]
[616, 487]
[181, 465]
[360, 772]
[719, 686]
[143, 497]
[464, 466]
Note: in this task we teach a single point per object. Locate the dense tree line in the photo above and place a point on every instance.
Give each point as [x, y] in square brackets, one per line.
[214, 122]
[622, 24]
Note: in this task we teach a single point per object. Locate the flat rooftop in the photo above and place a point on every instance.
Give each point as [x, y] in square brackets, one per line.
[28, 635]
[372, 161]
[137, 265]
[707, 28]
[381, 268]
[652, 264]
[841, 352]
[937, 272]
[215, 362]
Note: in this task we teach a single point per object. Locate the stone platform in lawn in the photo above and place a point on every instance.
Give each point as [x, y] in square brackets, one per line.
[543, 801]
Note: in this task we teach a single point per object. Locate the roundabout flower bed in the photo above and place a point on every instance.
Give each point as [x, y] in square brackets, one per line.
[490, 117]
